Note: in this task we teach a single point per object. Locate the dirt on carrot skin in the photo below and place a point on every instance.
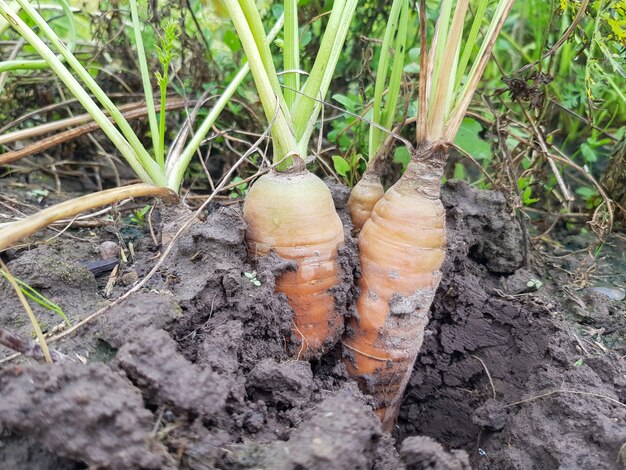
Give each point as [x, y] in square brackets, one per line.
[194, 371]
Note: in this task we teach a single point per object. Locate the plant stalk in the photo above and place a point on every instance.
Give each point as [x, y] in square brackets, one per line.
[250, 30]
[21, 229]
[175, 166]
[147, 85]
[137, 156]
[291, 50]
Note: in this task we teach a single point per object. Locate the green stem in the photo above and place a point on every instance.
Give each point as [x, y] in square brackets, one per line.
[68, 79]
[149, 166]
[291, 52]
[176, 166]
[22, 64]
[161, 156]
[307, 106]
[147, 85]
[375, 134]
[255, 27]
[265, 77]
[397, 25]
[9, 65]
[395, 80]
[470, 42]
[4, 24]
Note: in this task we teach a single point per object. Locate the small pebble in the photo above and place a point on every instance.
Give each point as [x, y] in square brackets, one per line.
[129, 278]
[612, 293]
[109, 249]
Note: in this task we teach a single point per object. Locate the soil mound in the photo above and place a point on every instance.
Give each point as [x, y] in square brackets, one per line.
[194, 372]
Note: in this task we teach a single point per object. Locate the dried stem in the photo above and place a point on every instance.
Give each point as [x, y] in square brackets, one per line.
[29, 225]
[30, 349]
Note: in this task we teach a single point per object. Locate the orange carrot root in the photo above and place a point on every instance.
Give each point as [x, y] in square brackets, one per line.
[401, 249]
[293, 215]
[363, 197]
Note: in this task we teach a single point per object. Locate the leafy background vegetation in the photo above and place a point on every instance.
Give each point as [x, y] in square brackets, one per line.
[555, 88]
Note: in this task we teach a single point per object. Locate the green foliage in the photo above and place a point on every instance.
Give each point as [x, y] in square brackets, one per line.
[575, 96]
[251, 276]
[240, 190]
[526, 193]
[469, 139]
[401, 155]
[590, 196]
[349, 169]
[165, 54]
[138, 217]
[347, 130]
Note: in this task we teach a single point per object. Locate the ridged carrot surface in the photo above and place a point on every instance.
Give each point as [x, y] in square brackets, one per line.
[293, 214]
[402, 249]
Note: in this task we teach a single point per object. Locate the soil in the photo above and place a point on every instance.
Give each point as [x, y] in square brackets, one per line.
[194, 370]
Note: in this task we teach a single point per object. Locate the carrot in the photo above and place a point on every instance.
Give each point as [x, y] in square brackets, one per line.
[293, 215]
[290, 211]
[402, 243]
[369, 189]
[365, 194]
[401, 248]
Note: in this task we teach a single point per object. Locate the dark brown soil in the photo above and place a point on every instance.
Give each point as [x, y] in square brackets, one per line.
[194, 371]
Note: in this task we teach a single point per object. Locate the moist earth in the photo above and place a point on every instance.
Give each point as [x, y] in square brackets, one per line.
[195, 371]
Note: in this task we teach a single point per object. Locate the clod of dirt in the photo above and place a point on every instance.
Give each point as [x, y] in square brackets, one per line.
[173, 218]
[127, 321]
[48, 404]
[496, 243]
[167, 378]
[284, 385]
[421, 453]
[219, 350]
[342, 434]
[19, 453]
[206, 273]
[207, 452]
[491, 416]
[214, 243]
